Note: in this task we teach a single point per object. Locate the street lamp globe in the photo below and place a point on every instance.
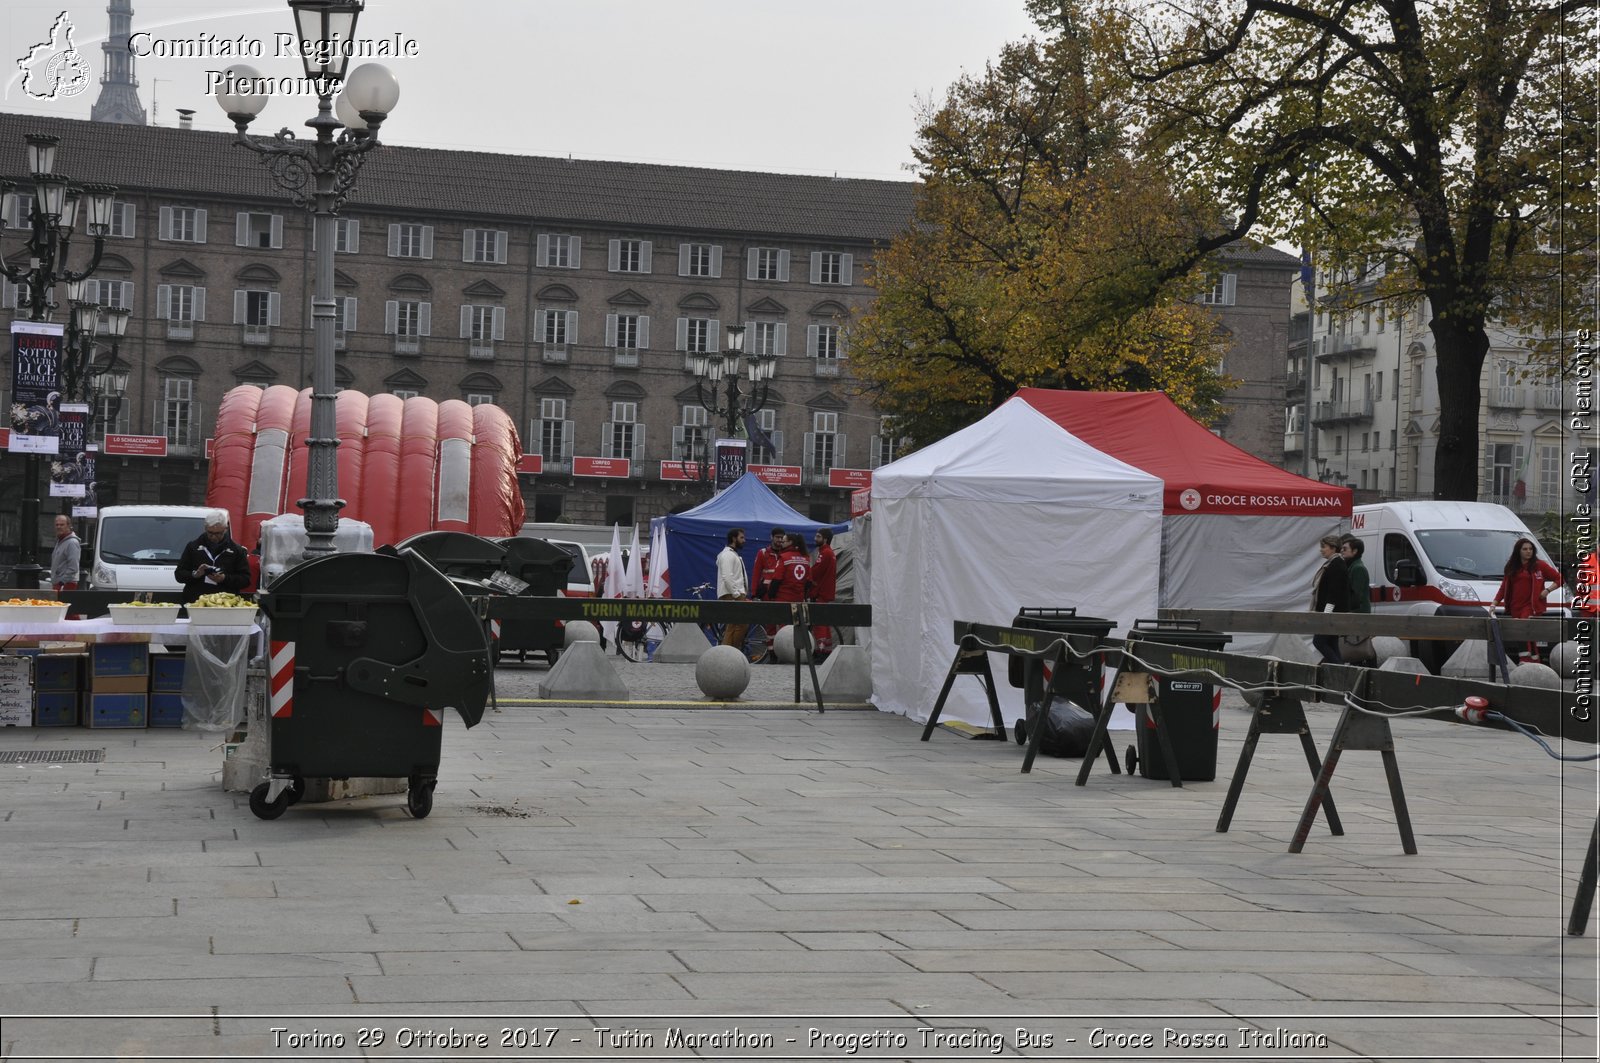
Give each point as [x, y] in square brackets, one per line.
[99, 199]
[238, 101]
[115, 321]
[371, 89]
[41, 153]
[50, 194]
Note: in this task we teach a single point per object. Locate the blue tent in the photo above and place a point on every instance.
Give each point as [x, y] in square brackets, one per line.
[696, 536]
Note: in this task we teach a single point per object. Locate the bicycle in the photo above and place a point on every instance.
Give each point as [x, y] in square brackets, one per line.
[755, 641]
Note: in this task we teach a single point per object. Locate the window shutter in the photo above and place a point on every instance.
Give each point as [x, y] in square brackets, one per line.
[716, 260]
[780, 338]
[1230, 287]
[499, 322]
[199, 304]
[683, 260]
[164, 224]
[714, 337]
[611, 330]
[847, 268]
[466, 244]
[572, 327]
[200, 226]
[127, 295]
[466, 321]
[808, 453]
[816, 267]
[750, 257]
[349, 313]
[91, 291]
[277, 231]
[500, 239]
[613, 255]
[353, 236]
[575, 252]
[839, 346]
[427, 241]
[605, 440]
[239, 298]
[812, 331]
[644, 256]
[394, 241]
[783, 267]
[424, 319]
[638, 446]
[644, 332]
[838, 451]
[391, 317]
[163, 302]
[1487, 474]
[274, 304]
[683, 334]
[241, 229]
[127, 219]
[542, 257]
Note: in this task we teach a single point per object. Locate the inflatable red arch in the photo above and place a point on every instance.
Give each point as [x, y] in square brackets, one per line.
[405, 465]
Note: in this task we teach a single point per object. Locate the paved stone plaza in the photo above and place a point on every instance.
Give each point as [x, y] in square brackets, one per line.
[782, 874]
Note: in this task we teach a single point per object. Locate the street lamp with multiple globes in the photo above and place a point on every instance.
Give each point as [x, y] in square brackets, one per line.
[52, 221]
[319, 175]
[712, 369]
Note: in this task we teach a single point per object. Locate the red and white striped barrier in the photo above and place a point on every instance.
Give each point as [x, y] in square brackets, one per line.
[281, 689]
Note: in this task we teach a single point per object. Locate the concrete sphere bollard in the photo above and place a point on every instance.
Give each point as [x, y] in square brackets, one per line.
[1564, 659]
[1387, 646]
[1535, 675]
[783, 644]
[722, 672]
[579, 631]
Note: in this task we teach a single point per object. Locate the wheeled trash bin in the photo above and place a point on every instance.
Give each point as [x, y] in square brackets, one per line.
[543, 566]
[1189, 707]
[368, 653]
[1078, 683]
[477, 567]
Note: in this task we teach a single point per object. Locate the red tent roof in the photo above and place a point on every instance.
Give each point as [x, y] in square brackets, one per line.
[1203, 473]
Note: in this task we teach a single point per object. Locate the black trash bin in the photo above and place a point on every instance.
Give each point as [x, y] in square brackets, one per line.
[368, 653]
[1078, 683]
[475, 564]
[544, 567]
[1189, 707]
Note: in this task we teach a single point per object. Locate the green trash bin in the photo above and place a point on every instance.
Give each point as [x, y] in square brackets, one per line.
[368, 652]
[544, 567]
[1190, 707]
[1078, 683]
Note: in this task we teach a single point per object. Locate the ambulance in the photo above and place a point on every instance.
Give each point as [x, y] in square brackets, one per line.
[1440, 558]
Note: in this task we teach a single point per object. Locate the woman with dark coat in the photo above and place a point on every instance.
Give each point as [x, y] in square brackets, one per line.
[1330, 588]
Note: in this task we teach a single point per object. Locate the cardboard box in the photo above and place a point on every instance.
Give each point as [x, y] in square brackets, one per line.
[59, 671]
[166, 710]
[117, 710]
[16, 692]
[54, 708]
[119, 660]
[166, 673]
[131, 684]
[12, 714]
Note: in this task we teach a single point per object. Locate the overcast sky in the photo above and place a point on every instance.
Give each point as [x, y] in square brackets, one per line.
[815, 86]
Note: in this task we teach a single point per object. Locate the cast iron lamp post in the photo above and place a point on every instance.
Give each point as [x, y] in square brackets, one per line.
[712, 369]
[318, 175]
[52, 221]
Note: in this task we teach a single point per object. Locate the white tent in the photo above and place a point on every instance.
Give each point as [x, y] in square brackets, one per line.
[1012, 511]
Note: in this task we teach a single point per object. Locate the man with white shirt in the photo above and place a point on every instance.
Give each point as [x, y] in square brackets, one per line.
[732, 584]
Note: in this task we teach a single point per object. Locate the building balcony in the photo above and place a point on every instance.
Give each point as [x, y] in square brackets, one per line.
[258, 335]
[1328, 348]
[1294, 442]
[1294, 381]
[480, 350]
[178, 329]
[625, 358]
[1547, 398]
[554, 352]
[407, 345]
[827, 367]
[1342, 411]
[1505, 398]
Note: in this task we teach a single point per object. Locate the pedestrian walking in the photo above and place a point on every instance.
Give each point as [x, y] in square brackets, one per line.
[1330, 590]
[824, 586]
[732, 585]
[1526, 583]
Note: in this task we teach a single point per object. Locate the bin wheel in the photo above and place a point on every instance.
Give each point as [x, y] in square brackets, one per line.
[296, 790]
[265, 809]
[1130, 759]
[552, 655]
[419, 800]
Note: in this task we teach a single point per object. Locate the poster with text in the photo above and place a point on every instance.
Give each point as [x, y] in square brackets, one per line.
[35, 387]
[88, 504]
[730, 461]
[70, 471]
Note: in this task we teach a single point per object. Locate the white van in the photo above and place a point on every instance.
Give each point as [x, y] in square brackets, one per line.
[136, 548]
[1444, 558]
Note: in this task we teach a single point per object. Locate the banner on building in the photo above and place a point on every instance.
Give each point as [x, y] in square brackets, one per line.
[35, 387]
[70, 472]
[88, 505]
[731, 458]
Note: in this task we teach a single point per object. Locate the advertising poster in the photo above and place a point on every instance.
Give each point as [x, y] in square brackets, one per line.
[70, 472]
[730, 461]
[35, 387]
[88, 504]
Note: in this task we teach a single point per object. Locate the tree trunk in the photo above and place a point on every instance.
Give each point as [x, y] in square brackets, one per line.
[1460, 353]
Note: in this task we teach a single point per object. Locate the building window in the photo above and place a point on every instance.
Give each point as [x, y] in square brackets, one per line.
[109, 293]
[183, 224]
[691, 439]
[481, 326]
[554, 432]
[768, 338]
[122, 215]
[768, 264]
[403, 393]
[558, 251]
[258, 312]
[177, 414]
[258, 230]
[628, 256]
[831, 267]
[768, 451]
[180, 306]
[1222, 291]
[824, 444]
[885, 445]
[480, 398]
[822, 343]
[557, 330]
[111, 409]
[407, 320]
[344, 319]
[484, 245]
[346, 236]
[699, 260]
[697, 335]
[622, 436]
[408, 240]
[628, 334]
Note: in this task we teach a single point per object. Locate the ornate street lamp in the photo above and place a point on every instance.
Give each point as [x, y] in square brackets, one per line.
[319, 175]
[54, 213]
[736, 405]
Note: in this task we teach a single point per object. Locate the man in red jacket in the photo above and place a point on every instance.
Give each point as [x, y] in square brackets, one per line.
[824, 586]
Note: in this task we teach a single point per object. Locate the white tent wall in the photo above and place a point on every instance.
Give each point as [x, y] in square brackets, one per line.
[1223, 561]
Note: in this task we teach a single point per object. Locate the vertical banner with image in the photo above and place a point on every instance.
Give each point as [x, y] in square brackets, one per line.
[730, 461]
[35, 387]
[88, 504]
[69, 472]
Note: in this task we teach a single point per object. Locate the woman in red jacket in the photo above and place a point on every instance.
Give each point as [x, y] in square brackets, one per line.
[1523, 587]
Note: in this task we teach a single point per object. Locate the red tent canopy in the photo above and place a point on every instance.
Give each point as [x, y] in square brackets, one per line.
[1203, 473]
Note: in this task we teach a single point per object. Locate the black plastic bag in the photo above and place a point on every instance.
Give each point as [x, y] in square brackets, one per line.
[1067, 730]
